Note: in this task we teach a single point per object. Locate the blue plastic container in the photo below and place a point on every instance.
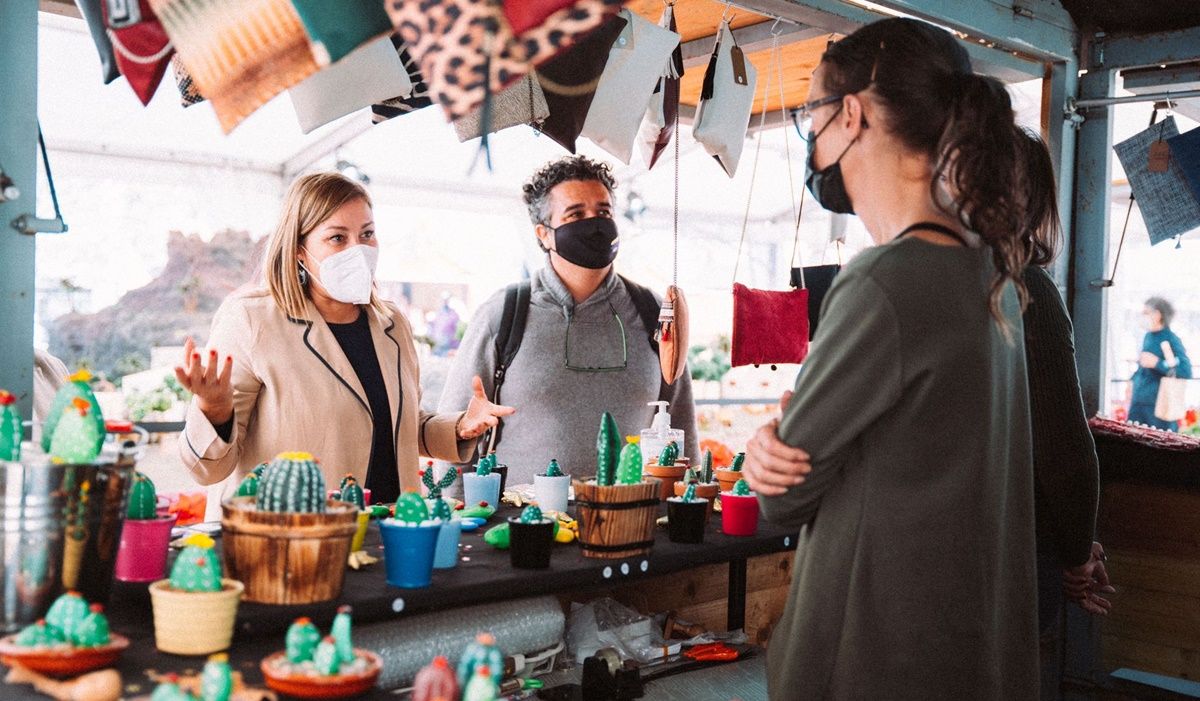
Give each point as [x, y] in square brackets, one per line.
[478, 489]
[408, 552]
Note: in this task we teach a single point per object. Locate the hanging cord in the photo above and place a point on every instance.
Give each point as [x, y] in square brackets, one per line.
[485, 117]
[797, 213]
[1111, 279]
[675, 225]
[49, 176]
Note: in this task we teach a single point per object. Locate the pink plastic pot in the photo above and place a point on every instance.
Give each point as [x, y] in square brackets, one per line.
[142, 555]
[739, 514]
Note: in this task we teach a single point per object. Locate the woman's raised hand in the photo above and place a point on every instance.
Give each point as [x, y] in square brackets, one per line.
[208, 382]
[481, 414]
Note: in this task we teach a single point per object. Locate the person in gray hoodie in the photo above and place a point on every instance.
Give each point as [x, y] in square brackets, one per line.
[586, 347]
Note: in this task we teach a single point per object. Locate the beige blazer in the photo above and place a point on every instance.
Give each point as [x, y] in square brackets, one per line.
[294, 389]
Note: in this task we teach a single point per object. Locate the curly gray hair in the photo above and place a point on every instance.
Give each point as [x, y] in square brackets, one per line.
[537, 189]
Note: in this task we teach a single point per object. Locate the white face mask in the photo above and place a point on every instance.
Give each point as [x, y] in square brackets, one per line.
[347, 276]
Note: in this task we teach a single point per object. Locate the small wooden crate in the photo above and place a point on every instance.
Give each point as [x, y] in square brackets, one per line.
[616, 521]
[287, 558]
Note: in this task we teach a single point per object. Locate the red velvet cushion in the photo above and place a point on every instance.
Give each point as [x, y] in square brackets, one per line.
[769, 327]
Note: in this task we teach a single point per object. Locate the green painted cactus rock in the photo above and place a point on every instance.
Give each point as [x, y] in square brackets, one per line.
[10, 428]
[441, 510]
[742, 488]
[608, 443]
[92, 631]
[689, 494]
[248, 487]
[483, 652]
[485, 465]
[169, 691]
[78, 387]
[669, 454]
[706, 468]
[353, 493]
[41, 634]
[411, 508]
[216, 680]
[553, 469]
[326, 658]
[737, 462]
[690, 476]
[630, 469]
[67, 613]
[292, 484]
[340, 632]
[77, 435]
[434, 489]
[260, 469]
[143, 502]
[301, 641]
[197, 569]
[532, 514]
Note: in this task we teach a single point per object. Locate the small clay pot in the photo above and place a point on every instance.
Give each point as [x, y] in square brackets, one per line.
[530, 543]
[704, 491]
[667, 476]
[727, 478]
[686, 519]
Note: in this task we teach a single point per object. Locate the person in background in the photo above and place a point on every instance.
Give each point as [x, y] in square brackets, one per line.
[1065, 466]
[315, 361]
[585, 347]
[1154, 364]
[904, 453]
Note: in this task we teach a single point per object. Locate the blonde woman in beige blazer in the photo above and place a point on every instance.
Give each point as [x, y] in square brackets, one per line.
[314, 361]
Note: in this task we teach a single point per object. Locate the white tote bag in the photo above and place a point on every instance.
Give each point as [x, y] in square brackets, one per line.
[523, 102]
[723, 115]
[1171, 404]
[636, 61]
[371, 73]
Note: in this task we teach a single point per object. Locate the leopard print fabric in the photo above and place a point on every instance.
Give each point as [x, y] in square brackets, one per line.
[451, 40]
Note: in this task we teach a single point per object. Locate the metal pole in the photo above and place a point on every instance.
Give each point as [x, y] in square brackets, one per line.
[1060, 86]
[1131, 99]
[18, 151]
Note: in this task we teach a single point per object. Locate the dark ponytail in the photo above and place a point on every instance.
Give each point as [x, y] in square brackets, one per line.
[1042, 229]
[936, 105]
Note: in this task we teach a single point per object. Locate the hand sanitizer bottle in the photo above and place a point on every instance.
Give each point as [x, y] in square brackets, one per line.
[660, 433]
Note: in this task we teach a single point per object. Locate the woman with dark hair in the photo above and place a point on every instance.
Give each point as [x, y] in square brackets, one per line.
[1162, 354]
[905, 453]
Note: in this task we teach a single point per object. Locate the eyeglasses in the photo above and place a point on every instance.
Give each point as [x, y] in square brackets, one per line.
[588, 368]
[803, 114]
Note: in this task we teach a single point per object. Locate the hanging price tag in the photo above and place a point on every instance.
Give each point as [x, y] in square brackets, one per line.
[1160, 157]
[739, 65]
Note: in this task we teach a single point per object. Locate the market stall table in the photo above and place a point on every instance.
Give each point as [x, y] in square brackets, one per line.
[483, 575]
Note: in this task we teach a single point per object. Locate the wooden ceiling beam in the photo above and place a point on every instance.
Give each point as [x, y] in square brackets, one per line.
[753, 38]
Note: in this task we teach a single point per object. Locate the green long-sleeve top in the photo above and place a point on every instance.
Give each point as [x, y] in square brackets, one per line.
[915, 569]
[1065, 467]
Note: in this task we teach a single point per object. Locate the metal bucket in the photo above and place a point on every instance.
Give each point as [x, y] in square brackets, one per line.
[60, 526]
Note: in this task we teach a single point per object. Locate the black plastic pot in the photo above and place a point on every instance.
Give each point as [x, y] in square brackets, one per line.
[685, 520]
[530, 543]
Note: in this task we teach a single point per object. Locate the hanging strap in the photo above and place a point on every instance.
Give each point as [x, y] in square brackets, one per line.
[1124, 228]
[932, 226]
[777, 59]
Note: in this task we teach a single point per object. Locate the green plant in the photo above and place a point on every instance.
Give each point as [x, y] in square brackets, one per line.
[292, 484]
[607, 445]
[710, 362]
[143, 502]
[197, 569]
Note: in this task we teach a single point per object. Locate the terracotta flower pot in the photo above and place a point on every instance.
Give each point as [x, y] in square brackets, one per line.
[727, 478]
[667, 476]
[195, 622]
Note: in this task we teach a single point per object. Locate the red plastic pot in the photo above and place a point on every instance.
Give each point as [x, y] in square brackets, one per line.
[739, 514]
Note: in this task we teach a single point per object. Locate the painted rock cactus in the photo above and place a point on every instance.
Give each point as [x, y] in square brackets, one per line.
[197, 568]
[608, 444]
[553, 469]
[481, 686]
[10, 427]
[353, 493]
[434, 489]
[216, 680]
[92, 630]
[143, 502]
[77, 436]
[669, 454]
[742, 488]
[481, 653]
[689, 494]
[260, 469]
[441, 510]
[435, 682]
[67, 613]
[532, 514]
[169, 690]
[41, 634]
[630, 469]
[77, 387]
[485, 465]
[690, 476]
[326, 658]
[301, 641]
[340, 632]
[706, 468]
[411, 508]
[737, 462]
[292, 484]
[248, 487]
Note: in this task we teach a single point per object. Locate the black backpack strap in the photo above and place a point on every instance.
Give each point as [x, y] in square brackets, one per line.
[647, 307]
[508, 342]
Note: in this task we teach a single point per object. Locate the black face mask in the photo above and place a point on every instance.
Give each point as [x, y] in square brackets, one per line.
[826, 184]
[589, 243]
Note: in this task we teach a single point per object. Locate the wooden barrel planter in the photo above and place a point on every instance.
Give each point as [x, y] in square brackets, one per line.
[287, 558]
[616, 521]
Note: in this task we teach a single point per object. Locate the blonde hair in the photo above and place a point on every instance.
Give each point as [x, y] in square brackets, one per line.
[311, 200]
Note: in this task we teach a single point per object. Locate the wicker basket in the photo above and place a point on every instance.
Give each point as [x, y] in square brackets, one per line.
[616, 521]
[287, 558]
[194, 622]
